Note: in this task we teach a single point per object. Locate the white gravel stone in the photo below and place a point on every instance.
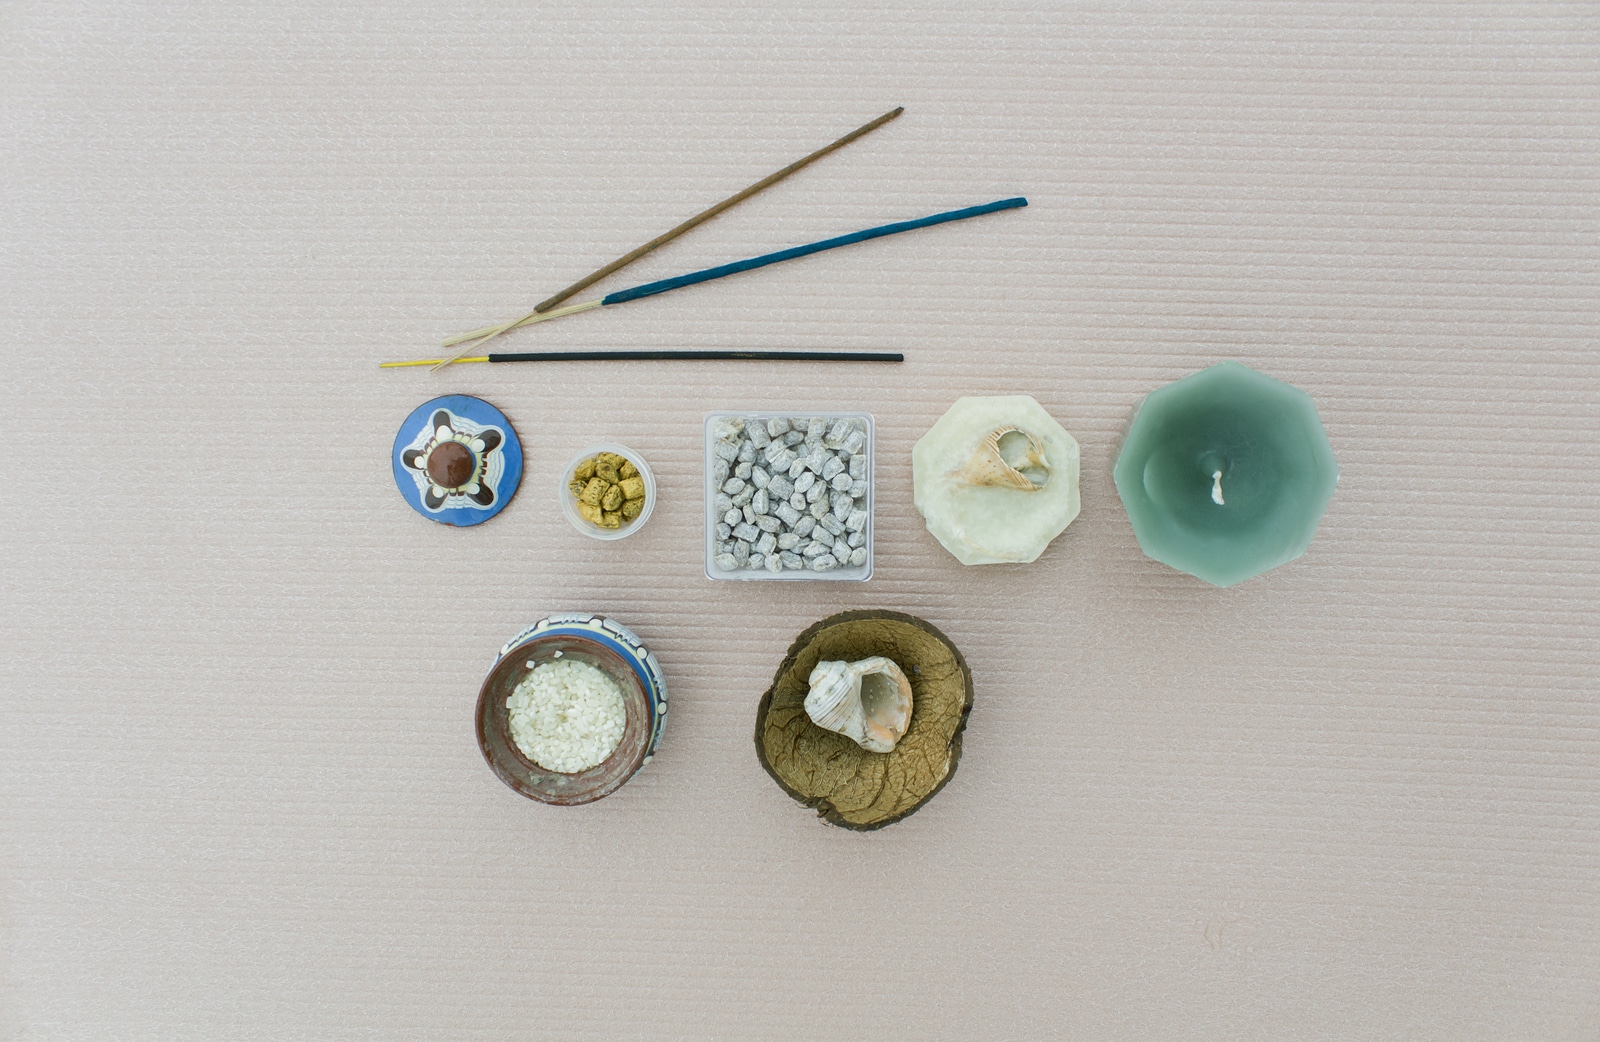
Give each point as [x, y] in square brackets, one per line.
[787, 492]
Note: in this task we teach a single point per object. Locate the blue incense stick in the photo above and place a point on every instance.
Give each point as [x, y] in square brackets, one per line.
[650, 289]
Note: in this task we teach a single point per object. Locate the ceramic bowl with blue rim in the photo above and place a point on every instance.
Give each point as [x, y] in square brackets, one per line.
[457, 460]
[603, 643]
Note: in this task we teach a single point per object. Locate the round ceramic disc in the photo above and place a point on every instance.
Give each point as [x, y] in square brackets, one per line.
[457, 461]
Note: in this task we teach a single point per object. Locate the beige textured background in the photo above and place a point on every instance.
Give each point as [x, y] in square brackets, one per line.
[1357, 798]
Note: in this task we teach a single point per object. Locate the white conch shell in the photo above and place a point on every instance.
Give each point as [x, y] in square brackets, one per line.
[988, 466]
[868, 701]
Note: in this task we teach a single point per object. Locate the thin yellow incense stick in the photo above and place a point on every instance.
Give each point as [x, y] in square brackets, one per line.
[547, 308]
[430, 361]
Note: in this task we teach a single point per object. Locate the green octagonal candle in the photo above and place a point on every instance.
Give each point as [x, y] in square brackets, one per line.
[1226, 473]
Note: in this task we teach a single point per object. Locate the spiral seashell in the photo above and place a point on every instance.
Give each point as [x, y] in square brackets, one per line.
[867, 701]
[988, 466]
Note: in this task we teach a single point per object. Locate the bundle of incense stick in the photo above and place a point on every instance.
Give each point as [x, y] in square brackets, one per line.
[548, 309]
[650, 289]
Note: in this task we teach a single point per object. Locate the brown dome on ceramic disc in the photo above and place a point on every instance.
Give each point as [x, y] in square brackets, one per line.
[450, 464]
[848, 785]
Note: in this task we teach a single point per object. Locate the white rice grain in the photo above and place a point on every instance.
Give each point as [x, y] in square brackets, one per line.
[567, 716]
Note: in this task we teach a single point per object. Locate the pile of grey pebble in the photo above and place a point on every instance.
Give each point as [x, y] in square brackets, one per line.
[790, 493]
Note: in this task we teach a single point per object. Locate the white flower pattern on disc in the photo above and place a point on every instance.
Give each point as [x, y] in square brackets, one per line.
[478, 487]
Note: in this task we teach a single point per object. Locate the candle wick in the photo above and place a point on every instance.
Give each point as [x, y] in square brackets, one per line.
[1216, 487]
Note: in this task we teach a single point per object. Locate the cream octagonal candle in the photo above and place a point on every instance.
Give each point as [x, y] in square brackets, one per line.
[996, 479]
[1225, 473]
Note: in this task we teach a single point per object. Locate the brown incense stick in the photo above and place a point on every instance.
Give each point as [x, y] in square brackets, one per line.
[706, 215]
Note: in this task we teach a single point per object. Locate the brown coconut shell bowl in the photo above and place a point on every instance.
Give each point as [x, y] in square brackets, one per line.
[847, 785]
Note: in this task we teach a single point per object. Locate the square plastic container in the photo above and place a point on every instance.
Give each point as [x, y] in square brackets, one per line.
[843, 573]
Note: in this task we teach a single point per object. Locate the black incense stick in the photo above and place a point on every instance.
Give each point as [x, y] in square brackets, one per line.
[669, 356]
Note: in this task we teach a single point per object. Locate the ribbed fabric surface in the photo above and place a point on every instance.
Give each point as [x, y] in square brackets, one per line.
[240, 796]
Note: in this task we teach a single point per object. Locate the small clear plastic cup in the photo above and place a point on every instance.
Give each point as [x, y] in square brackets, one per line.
[569, 502]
